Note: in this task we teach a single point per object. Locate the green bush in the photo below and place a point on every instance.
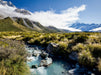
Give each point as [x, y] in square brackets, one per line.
[12, 58]
[99, 64]
[94, 39]
[63, 49]
[79, 47]
[86, 58]
[95, 49]
[81, 38]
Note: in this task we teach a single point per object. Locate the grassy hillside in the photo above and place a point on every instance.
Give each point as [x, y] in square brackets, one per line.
[36, 26]
[19, 21]
[8, 24]
[23, 28]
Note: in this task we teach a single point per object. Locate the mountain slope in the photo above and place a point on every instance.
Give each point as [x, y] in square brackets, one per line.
[35, 26]
[58, 30]
[7, 24]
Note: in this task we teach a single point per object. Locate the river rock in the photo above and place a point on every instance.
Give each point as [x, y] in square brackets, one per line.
[44, 55]
[30, 59]
[33, 54]
[73, 56]
[36, 53]
[29, 54]
[34, 66]
[52, 47]
[46, 62]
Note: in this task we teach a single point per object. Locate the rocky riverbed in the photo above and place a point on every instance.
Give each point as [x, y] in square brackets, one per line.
[41, 64]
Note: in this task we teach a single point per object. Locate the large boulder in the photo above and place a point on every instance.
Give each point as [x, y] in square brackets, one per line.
[46, 62]
[52, 47]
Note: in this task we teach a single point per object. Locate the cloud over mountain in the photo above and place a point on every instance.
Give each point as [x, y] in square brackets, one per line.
[60, 20]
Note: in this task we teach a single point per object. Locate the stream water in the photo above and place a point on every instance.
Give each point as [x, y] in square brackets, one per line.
[58, 66]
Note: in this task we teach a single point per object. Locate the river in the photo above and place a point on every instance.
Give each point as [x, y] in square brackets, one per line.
[58, 66]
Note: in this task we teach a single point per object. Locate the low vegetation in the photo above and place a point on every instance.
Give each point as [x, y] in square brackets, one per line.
[87, 45]
[12, 58]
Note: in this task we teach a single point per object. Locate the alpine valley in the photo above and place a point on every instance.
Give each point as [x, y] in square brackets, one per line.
[50, 43]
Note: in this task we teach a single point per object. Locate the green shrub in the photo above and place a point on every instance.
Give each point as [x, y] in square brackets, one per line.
[81, 38]
[63, 49]
[63, 45]
[94, 39]
[12, 58]
[86, 59]
[99, 64]
[79, 47]
[95, 49]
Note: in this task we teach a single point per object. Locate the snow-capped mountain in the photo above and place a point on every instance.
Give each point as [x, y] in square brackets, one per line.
[96, 30]
[86, 27]
[22, 11]
[6, 3]
[8, 9]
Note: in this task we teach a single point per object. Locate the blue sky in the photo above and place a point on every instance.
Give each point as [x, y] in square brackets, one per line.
[92, 13]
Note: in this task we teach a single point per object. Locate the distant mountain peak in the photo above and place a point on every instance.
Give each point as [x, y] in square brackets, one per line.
[9, 3]
[85, 27]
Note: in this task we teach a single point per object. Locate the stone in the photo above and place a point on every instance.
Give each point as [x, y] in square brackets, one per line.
[44, 55]
[46, 62]
[34, 66]
[34, 54]
[52, 47]
[30, 58]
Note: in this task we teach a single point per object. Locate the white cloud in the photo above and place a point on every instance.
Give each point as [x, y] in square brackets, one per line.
[60, 20]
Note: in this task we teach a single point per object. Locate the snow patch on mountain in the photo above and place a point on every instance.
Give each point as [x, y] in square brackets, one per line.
[85, 27]
[96, 29]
